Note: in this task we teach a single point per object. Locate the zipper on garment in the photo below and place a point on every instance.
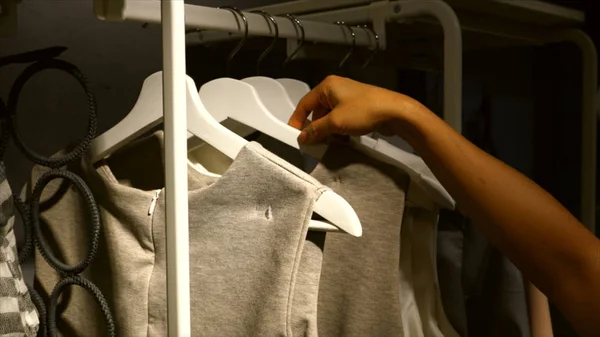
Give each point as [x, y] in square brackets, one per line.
[153, 202]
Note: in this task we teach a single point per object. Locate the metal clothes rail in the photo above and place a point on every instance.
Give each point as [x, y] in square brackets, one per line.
[379, 13]
[208, 18]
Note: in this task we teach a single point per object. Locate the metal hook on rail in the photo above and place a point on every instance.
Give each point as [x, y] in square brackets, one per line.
[267, 17]
[353, 43]
[374, 50]
[239, 46]
[296, 22]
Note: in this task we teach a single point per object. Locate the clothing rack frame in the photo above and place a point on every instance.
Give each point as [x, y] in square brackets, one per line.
[175, 17]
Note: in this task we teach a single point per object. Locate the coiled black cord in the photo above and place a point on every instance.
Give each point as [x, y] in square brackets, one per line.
[94, 214]
[30, 210]
[41, 308]
[13, 100]
[91, 288]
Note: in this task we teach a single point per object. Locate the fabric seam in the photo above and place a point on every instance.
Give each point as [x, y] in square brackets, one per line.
[312, 183]
[296, 266]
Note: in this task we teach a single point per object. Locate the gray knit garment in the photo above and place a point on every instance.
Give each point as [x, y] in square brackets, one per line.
[18, 315]
[254, 268]
[254, 271]
[359, 288]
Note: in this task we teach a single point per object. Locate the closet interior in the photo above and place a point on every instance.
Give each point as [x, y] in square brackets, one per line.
[199, 213]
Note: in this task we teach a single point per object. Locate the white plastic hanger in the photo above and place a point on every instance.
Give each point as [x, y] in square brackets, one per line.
[380, 149]
[148, 113]
[295, 89]
[412, 164]
[227, 97]
[273, 95]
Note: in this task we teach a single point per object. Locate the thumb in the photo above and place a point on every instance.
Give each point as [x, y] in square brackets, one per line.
[317, 131]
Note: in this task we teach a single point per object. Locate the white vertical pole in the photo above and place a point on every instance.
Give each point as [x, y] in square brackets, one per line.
[176, 187]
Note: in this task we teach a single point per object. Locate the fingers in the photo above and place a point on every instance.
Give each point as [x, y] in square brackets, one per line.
[319, 113]
[318, 130]
[306, 105]
[313, 101]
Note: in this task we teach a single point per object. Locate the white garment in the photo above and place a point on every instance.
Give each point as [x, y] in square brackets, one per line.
[420, 285]
[418, 259]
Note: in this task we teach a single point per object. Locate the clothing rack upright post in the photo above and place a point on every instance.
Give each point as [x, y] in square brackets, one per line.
[176, 184]
[175, 17]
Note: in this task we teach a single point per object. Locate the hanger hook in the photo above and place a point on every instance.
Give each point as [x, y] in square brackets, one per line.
[298, 24]
[267, 17]
[375, 50]
[342, 23]
[239, 46]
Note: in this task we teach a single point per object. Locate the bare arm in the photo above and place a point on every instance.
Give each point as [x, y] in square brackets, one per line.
[548, 244]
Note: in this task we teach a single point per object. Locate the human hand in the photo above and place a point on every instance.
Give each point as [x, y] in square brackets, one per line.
[343, 106]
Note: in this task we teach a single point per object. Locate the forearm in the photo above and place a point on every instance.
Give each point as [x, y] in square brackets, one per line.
[539, 235]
